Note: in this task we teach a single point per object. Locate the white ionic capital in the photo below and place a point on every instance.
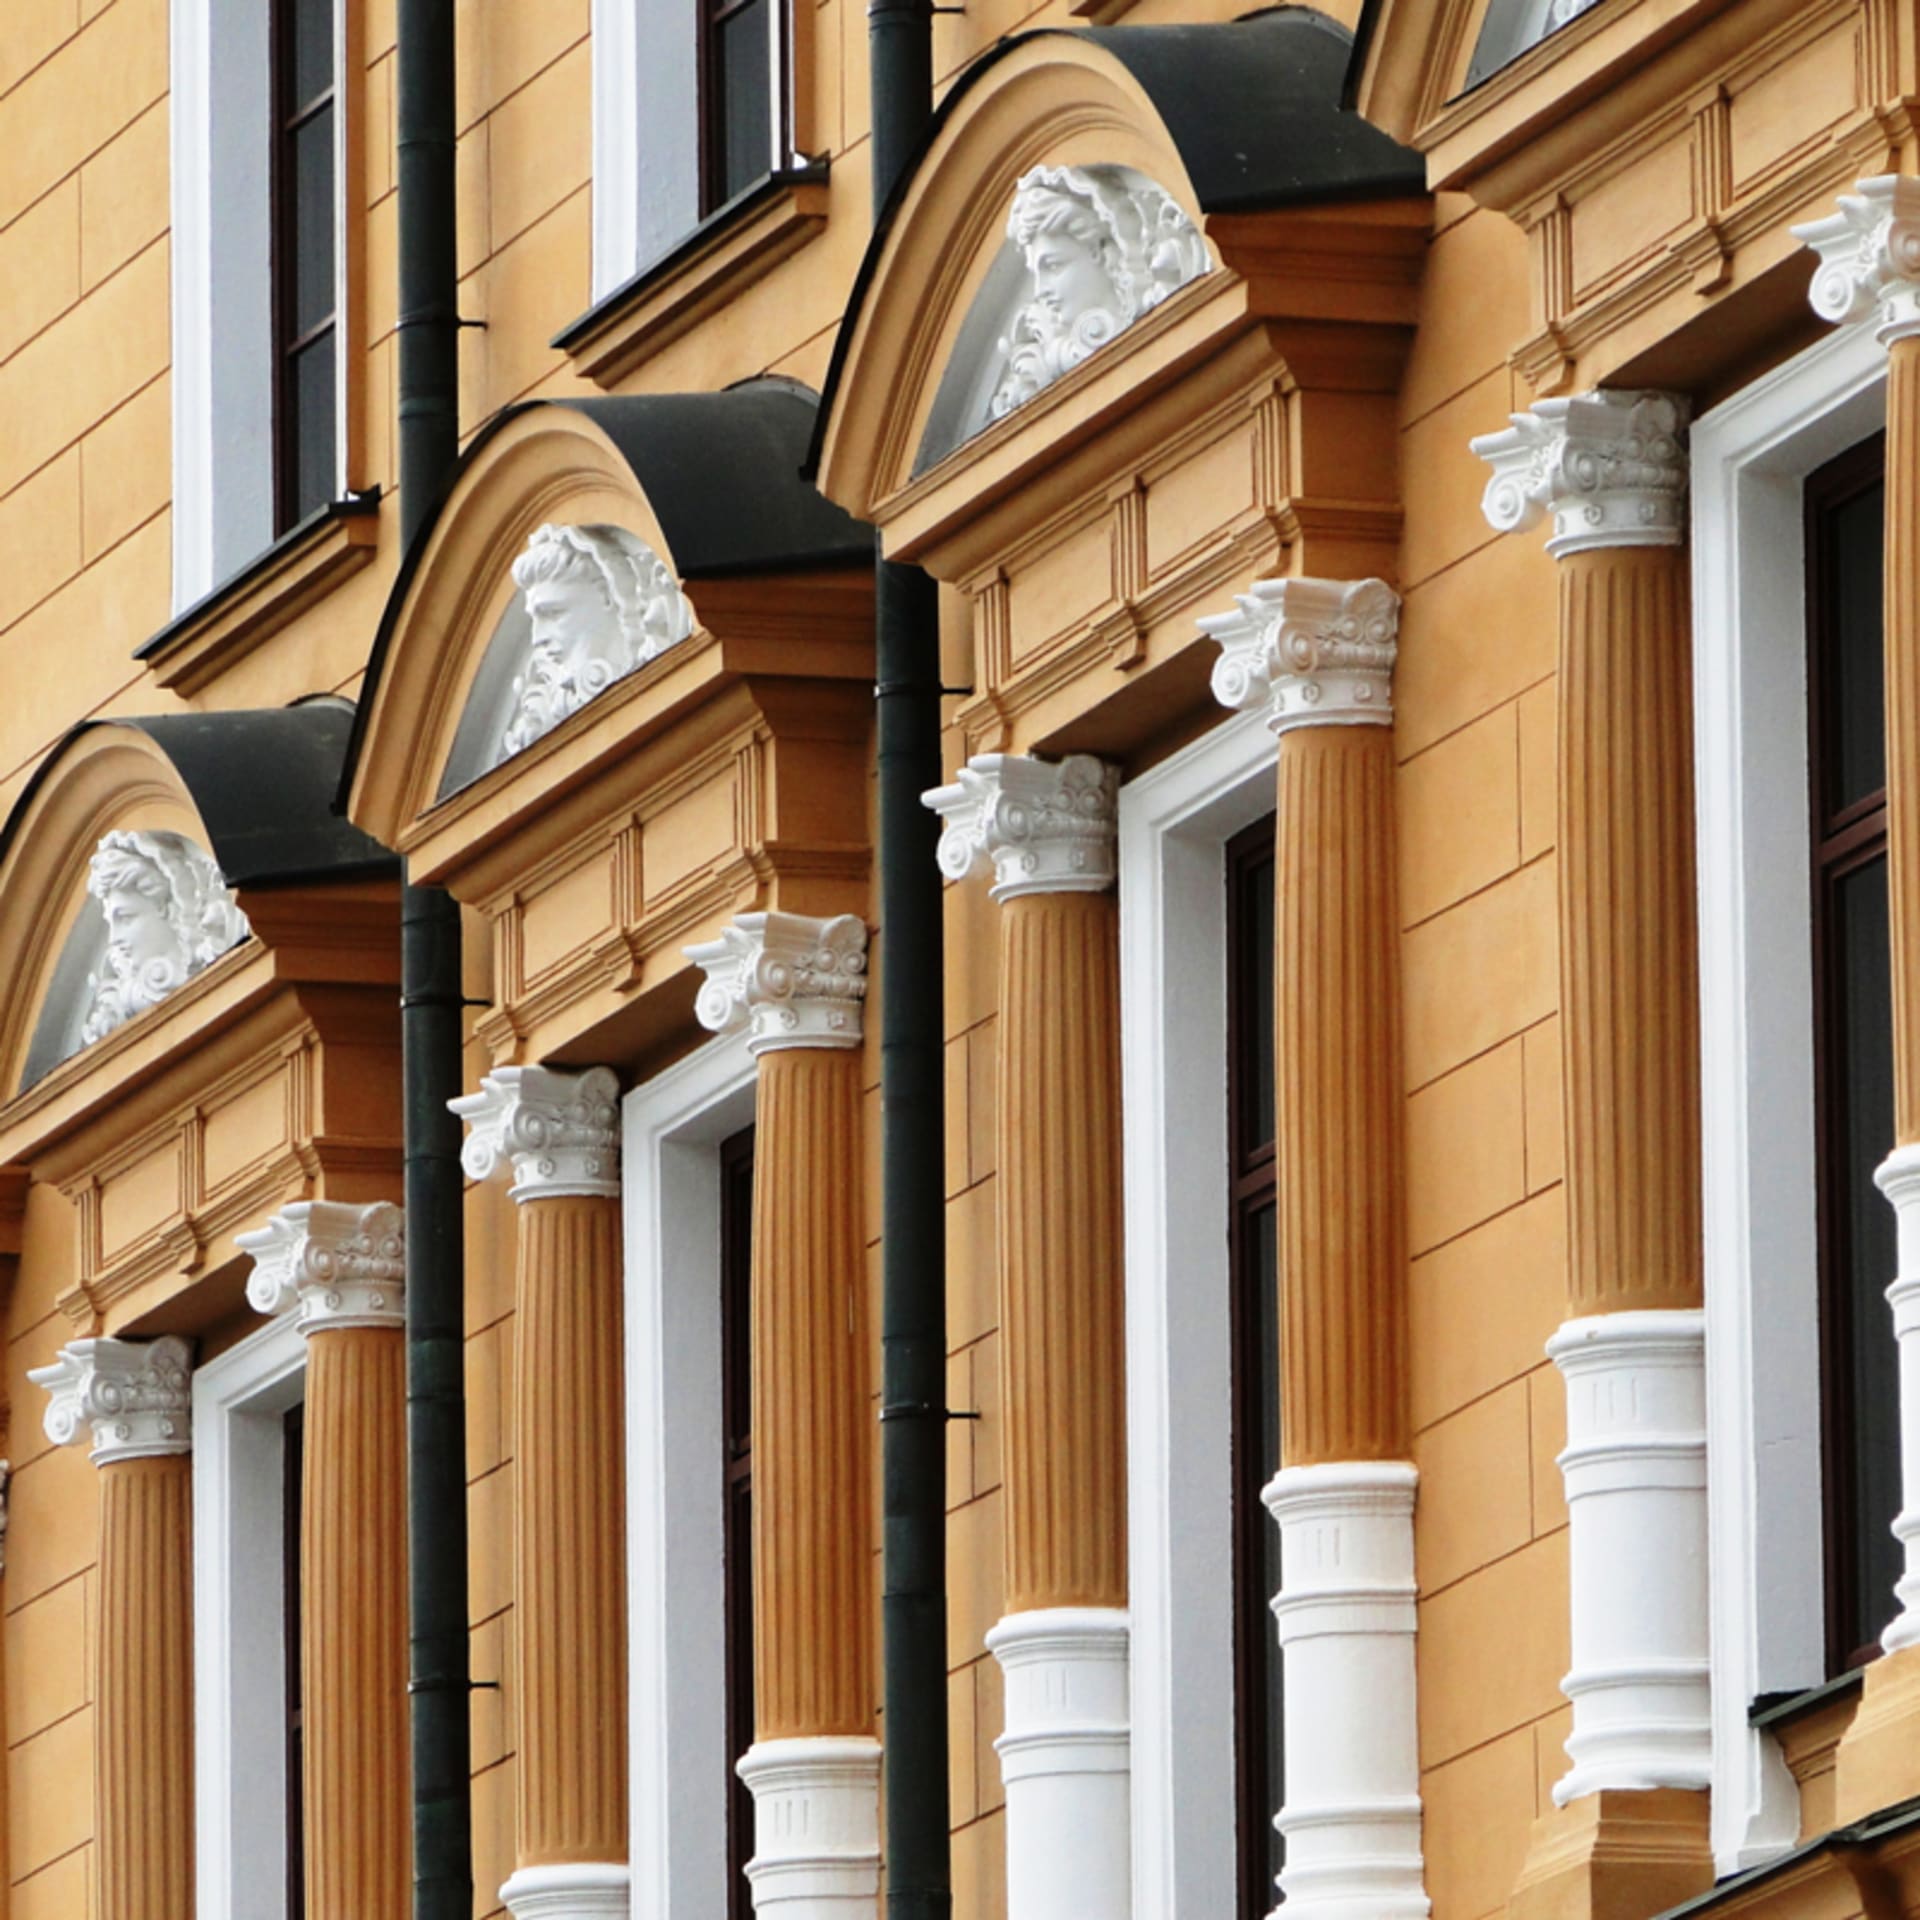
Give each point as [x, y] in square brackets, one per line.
[1609, 467]
[816, 1826]
[129, 1398]
[1313, 653]
[337, 1265]
[553, 1133]
[1635, 1466]
[1870, 257]
[1066, 1758]
[785, 980]
[1898, 1177]
[1048, 826]
[573, 1890]
[1346, 1619]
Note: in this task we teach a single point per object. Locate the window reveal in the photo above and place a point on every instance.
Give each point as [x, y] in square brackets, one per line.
[736, 1389]
[293, 1455]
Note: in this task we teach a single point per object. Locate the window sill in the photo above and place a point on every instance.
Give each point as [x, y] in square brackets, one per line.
[734, 245]
[224, 626]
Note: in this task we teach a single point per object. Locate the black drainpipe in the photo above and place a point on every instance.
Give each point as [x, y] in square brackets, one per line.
[430, 1019]
[913, 1118]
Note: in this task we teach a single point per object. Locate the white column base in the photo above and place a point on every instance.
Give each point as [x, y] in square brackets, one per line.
[1636, 1476]
[1898, 1177]
[571, 1890]
[816, 1825]
[1346, 1617]
[1065, 1758]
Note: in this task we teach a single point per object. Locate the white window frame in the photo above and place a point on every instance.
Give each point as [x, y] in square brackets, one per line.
[672, 1128]
[1750, 456]
[1175, 821]
[239, 1621]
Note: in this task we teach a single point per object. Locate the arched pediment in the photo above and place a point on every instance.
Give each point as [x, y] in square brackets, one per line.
[572, 569]
[1072, 194]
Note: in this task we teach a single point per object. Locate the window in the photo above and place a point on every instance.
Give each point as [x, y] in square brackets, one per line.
[736, 1387]
[742, 108]
[1853, 1046]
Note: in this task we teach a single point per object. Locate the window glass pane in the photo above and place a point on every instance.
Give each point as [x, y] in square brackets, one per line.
[309, 31]
[742, 89]
[1854, 700]
[308, 230]
[307, 422]
[1254, 1050]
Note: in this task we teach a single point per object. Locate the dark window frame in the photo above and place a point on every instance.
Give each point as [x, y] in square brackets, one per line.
[717, 188]
[293, 1448]
[736, 1423]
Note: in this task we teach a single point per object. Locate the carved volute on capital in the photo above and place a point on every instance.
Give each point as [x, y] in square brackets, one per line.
[129, 1398]
[552, 1133]
[1048, 826]
[1314, 653]
[785, 980]
[337, 1265]
[1609, 467]
[1870, 257]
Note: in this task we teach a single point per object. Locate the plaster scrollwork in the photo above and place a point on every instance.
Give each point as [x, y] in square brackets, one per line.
[1102, 246]
[129, 1398]
[601, 604]
[1314, 653]
[169, 915]
[1611, 468]
[333, 1264]
[785, 980]
[552, 1133]
[1870, 257]
[1048, 826]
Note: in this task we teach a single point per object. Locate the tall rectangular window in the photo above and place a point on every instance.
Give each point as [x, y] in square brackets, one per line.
[742, 87]
[736, 1392]
[1255, 1335]
[1853, 1051]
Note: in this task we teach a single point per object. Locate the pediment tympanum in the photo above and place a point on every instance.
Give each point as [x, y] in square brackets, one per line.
[199, 1022]
[1130, 338]
[1656, 152]
[622, 692]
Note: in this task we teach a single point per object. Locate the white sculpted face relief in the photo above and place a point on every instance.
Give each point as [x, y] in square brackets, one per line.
[169, 914]
[601, 604]
[1102, 246]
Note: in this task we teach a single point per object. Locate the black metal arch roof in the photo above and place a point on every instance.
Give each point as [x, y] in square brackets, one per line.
[262, 781]
[722, 473]
[1254, 107]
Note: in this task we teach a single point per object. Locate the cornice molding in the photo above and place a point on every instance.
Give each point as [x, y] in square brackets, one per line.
[1314, 653]
[129, 1398]
[1048, 826]
[553, 1133]
[1609, 467]
[336, 1265]
[785, 980]
[1870, 257]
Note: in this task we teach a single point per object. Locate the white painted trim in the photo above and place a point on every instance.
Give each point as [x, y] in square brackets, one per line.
[615, 48]
[671, 1127]
[1174, 823]
[573, 1890]
[239, 1661]
[1749, 456]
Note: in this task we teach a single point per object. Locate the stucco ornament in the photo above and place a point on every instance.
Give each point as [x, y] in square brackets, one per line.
[1048, 826]
[785, 980]
[602, 604]
[1103, 246]
[337, 1265]
[1311, 652]
[169, 915]
[1611, 468]
[128, 1397]
[553, 1133]
[1870, 256]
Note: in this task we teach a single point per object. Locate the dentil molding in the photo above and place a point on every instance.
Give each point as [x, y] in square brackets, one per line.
[1870, 257]
[1313, 653]
[1048, 826]
[337, 1265]
[1898, 1177]
[128, 1397]
[1609, 467]
[785, 980]
[553, 1133]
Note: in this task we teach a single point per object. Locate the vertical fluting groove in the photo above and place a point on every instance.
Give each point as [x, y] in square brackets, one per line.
[1062, 1282]
[1343, 1338]
[813, 1661]
[143, 1760]
[1902, 640]
[353, 1519]
[1629, 974]
[570, 1585]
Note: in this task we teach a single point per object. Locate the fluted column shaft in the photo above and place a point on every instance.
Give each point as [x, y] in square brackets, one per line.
[143, 1752]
